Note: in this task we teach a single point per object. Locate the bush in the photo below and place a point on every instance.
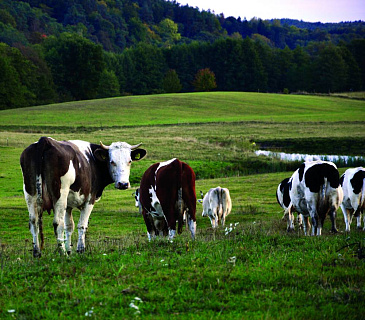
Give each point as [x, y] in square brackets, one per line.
[204, 80]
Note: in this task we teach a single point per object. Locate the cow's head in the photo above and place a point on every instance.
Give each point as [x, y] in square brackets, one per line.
[120, 156]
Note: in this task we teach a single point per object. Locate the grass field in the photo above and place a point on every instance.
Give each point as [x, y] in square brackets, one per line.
[254, 271]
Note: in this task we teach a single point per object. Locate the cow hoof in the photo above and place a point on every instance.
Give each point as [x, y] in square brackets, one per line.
[36, 253]
[289, 230]
[359, 228]
[68, 253]
[334, 230]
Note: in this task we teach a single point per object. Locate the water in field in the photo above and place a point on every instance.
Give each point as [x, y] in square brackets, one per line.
[309, 157]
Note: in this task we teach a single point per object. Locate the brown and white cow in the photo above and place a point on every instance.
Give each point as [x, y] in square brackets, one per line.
[217, 205]
[353, 204]
[62, 175]
[315, 191]
[283, 198]
[167, 190]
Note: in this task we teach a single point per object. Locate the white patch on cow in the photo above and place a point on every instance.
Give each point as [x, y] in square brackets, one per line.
[163, 164]
[84, 147]
[155, 203]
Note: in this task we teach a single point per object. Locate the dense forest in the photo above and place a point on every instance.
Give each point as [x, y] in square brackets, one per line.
[53, 51]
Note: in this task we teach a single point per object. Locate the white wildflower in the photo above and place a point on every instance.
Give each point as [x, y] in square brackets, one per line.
[89, 313]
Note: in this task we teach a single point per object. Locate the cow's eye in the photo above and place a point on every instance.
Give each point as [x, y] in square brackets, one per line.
[113, 163]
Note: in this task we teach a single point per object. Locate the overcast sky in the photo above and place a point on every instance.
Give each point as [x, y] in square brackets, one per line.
[306, 10]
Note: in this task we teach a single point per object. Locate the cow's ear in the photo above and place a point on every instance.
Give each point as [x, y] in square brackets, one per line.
[138, 154]
[101, 154]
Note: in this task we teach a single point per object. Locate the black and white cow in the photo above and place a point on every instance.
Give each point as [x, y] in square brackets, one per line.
[283, 198]
[217, 205]
[166, 192]
[137, 203]
[62, 175]
[315, 191]
[353, 204]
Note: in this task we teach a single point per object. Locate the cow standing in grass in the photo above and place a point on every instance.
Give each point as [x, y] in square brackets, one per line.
[166, 192]
[353, 204]
[62, 175]
[315, 191]
[283, 198]
[217, 205]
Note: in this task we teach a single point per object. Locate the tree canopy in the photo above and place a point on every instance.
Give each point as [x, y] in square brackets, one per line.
[82, 49]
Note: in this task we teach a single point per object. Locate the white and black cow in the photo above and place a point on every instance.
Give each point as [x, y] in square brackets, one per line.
[283, 198]
[137, 203]
[166, 192]
[353, 204]
[315, 191]
[62, 175]
[217, 205]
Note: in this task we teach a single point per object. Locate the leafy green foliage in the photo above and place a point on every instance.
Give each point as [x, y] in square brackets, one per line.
[76, 65]
[171, 82]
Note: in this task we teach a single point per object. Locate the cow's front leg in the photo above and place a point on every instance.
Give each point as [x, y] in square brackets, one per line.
[82, 226]
[69, 229]
[306, 225]
[192, 223]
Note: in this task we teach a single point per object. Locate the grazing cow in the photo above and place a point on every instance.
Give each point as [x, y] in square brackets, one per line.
[315, 191]
[167, 190]
[137, 202]
[283, 198]
[353, 204]
[217, 205]
[62, 175]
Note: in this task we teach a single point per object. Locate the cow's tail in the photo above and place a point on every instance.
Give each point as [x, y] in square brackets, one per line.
[322, 195]
[180, 202]
[42, 146]
[220, 202]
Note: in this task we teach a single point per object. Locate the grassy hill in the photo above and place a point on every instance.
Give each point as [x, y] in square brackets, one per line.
[254, 271]
[186, 108]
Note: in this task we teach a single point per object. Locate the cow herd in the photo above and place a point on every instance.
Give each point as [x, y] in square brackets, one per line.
[316, 190]
[63, 175]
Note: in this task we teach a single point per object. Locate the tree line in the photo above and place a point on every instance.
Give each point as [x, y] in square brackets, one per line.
[55, 51]
[70, 67]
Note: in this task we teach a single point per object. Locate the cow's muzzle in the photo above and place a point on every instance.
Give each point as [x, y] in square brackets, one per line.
[122, 185]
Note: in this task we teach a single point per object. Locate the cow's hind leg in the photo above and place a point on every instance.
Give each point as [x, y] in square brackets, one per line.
[69, 229]
[34, 221]
[332, 215]
[59, 223]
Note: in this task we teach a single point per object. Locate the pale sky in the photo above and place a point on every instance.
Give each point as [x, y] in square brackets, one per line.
[306, 10]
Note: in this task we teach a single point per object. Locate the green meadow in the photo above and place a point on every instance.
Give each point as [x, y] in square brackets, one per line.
[249, 269]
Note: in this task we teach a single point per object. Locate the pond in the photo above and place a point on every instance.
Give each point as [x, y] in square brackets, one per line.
[350, 160]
